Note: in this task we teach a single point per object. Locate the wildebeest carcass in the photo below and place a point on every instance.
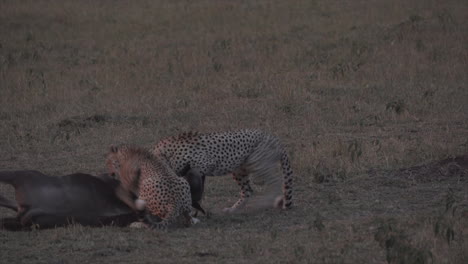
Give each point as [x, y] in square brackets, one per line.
[45, 201]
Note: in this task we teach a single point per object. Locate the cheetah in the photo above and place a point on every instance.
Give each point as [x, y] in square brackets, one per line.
[165, 196]
[242, 153]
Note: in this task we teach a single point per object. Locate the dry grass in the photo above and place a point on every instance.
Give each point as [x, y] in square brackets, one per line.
[356, 90]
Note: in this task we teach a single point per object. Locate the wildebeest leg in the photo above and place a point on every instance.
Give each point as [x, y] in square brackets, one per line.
[120, 220]
[11, 224]
[27, 217]
[4, 202]
[198, 207]
[196, 180]
[45, 219]
[48, 220]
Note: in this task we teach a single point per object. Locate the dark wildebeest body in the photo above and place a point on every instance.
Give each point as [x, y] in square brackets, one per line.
[56, 201]
[76, 198]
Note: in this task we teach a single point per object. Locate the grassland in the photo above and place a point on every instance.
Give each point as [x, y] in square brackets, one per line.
[357, 90]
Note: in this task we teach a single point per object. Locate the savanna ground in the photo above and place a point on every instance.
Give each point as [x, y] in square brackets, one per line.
[357, 91]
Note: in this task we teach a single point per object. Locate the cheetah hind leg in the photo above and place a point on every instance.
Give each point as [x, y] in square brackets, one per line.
[242, 179]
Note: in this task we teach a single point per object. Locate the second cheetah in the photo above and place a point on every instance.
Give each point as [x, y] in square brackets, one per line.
[241, 153]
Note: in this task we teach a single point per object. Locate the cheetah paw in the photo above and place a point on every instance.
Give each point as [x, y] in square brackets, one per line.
[228, 210]
[138, 225]
[279, 202]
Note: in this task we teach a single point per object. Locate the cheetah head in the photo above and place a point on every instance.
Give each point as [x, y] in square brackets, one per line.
[123, 163]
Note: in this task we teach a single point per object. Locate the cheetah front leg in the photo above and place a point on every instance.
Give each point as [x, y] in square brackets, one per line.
[146, 221]
[151, 222]
[170, 214]
[243, 180]
[164, 224]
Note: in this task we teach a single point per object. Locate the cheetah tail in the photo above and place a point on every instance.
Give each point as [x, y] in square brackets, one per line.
[287, 182]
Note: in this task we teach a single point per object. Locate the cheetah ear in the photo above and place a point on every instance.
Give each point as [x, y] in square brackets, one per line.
[114, 149]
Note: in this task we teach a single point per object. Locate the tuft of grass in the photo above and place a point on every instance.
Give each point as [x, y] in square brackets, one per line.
[398, 246]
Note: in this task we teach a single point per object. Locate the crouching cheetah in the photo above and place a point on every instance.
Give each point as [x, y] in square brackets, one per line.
[166, 196]
[241, 153]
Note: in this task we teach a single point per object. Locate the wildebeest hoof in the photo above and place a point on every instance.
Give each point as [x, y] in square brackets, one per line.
[195, 221]
[208, 214]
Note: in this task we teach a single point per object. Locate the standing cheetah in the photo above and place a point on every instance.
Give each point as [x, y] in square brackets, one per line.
[241, 153]
[166, 196]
